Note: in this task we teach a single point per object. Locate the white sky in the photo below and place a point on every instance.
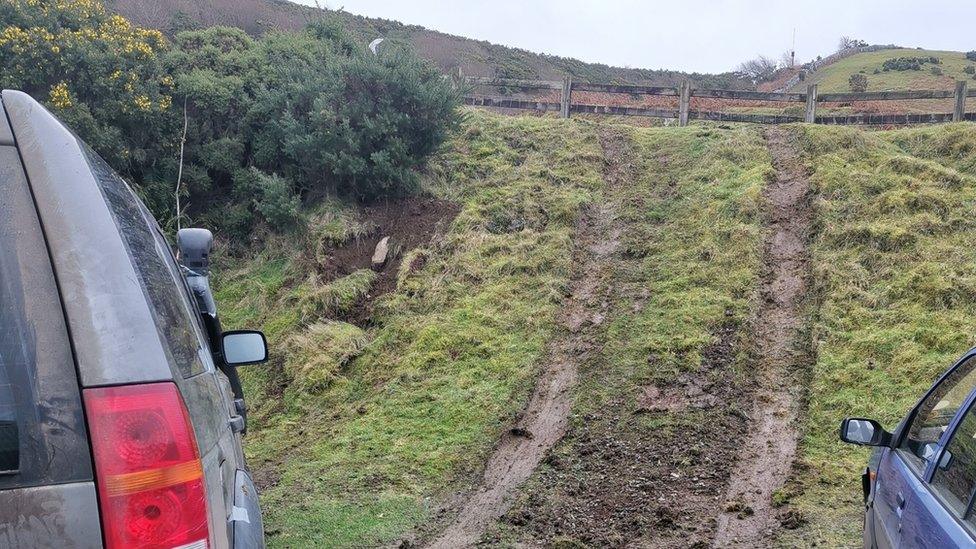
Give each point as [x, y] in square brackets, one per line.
[689, 35]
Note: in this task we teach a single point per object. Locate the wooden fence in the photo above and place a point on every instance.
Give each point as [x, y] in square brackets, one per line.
[685, 92]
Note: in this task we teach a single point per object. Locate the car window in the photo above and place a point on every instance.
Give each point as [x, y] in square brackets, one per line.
[955, 477]
[174, 320]
[935, 413]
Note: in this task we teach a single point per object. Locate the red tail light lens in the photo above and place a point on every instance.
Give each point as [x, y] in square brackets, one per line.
[150, 479]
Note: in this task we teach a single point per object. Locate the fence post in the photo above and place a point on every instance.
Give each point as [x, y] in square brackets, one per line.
[811, 114]
[684, 102]
[567, 98]
[959, 113]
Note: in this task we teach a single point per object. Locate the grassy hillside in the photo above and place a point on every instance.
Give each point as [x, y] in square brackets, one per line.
[451, 357]
[662, 401]
[474, 57]
[835, 76]
[895, 275]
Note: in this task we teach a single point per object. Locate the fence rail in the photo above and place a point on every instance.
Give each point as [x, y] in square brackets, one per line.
[685, 92]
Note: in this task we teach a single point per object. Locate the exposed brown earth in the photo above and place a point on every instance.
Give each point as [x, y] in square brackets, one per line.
[749, 518]
[546, 417]
[410, 223]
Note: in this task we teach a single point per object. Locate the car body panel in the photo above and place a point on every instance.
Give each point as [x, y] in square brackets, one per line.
[927, 523]
[103, 300]
[49, 499]
[60, 515]
[6, 136]
[903, 510]
[123, 301]
[248, 528]
[891, 494]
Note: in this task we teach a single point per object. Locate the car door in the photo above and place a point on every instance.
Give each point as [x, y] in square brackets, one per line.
[902, 497]
[940, 511]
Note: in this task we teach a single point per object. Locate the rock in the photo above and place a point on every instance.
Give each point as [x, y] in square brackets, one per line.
[381, 253]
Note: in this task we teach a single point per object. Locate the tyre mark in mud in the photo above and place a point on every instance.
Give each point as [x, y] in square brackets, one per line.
[545, 419]
[768, 451]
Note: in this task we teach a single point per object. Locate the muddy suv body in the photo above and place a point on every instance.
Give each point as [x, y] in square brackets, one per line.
[118, 426]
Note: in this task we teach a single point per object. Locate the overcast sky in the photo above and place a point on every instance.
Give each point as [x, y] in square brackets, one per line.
[689, 35]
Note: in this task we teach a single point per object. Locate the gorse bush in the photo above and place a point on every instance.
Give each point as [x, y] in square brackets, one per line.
[101, 75]
[270, 122]
[909, 63]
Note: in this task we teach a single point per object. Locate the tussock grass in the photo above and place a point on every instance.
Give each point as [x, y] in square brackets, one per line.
[454, 353]
[895, 274]
[316, 355]
[316, 300]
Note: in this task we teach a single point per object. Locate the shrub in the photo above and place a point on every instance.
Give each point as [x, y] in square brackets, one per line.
[971, 55]
[936, 71]
[858, 83]
[909, 63]
[969, 69]
[102, 76]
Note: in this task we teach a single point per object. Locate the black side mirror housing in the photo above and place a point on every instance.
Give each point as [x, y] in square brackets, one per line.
[864, 432]
[243, 347]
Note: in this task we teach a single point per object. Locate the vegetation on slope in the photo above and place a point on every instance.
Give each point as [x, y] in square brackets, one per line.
[353, 459]
[447, 52]
[658, 408]
[835, 77]
[270, 123]
[894, 279]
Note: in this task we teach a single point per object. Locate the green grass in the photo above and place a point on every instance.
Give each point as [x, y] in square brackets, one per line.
[452, 358]
[693, 238]
[834, 78]
[895, 280]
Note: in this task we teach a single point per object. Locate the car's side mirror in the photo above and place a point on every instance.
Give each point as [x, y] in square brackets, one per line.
[864, 432]
[931, 449]
[242, 347]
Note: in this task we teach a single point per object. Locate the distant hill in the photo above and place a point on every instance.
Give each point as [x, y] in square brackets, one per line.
[473, 57]
[834, 77]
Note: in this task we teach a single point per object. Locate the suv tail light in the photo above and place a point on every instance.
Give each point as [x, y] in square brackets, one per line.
[150, 478]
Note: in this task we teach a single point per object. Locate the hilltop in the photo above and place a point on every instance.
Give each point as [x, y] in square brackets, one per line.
[448, 52]
[834, 77]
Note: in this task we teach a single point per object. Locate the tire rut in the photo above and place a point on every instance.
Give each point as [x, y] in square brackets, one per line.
[545, 419]
[781, 356]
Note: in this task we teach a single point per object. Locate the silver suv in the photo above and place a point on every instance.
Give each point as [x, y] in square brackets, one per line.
[121, 414]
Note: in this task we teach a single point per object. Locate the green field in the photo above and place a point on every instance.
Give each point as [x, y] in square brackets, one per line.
[834, 78]
[895, 288]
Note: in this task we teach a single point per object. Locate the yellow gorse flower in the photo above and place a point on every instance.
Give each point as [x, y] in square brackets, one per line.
[60, 96]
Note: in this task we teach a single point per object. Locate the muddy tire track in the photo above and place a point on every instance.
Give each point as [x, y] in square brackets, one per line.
[781, 356]
[545, 419]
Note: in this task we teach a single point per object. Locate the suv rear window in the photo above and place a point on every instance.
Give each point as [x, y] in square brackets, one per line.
[42, 431]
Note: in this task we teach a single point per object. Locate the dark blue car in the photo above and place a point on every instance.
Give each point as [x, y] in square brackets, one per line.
[920, 485]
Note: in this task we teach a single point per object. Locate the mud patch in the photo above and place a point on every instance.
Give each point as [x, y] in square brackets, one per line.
[410, 223]
[781, 359]
[646, 475]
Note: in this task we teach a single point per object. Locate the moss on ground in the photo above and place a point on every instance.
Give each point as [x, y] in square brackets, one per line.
[895, 280]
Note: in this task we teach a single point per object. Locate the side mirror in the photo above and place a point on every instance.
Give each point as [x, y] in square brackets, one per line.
[931, 449]
[242, 347]
[864, 432]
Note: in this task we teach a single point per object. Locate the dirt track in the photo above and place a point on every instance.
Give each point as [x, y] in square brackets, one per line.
[546, 418]
[749, 518]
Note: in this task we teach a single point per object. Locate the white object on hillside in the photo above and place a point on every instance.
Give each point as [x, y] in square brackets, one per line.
[375, 44]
